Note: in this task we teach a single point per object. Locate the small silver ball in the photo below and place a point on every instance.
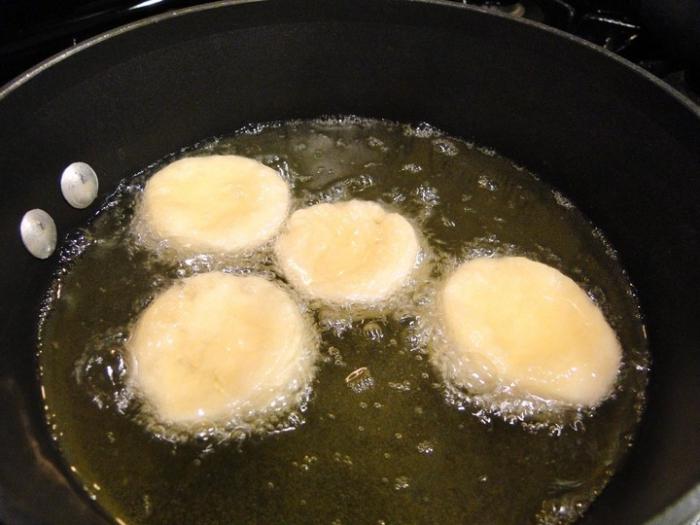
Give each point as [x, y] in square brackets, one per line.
[38, 231]
[79, 185]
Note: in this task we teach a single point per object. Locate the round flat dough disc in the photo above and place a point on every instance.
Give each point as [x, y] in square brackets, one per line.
[222, 203]
[220, 347]
[347, 252]
[529, 326]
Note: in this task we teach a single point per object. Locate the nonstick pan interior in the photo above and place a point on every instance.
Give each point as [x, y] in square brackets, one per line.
[620, 144]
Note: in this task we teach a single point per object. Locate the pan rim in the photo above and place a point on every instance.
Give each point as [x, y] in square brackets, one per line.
[49, 62]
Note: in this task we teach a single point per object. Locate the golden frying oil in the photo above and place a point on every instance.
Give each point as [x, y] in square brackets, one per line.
[380, 439]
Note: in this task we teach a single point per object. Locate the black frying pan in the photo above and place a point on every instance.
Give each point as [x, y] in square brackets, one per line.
[622, 145]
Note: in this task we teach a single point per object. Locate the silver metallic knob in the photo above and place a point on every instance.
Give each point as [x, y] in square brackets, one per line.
[38, 231]
[79, 184]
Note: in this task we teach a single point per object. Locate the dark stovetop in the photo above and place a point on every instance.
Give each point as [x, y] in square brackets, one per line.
[31, 31]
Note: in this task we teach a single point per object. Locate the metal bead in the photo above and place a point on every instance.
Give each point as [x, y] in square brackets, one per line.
[38, 231]
[79, 185]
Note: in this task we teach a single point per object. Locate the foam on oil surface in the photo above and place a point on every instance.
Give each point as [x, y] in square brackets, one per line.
[380, 437]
